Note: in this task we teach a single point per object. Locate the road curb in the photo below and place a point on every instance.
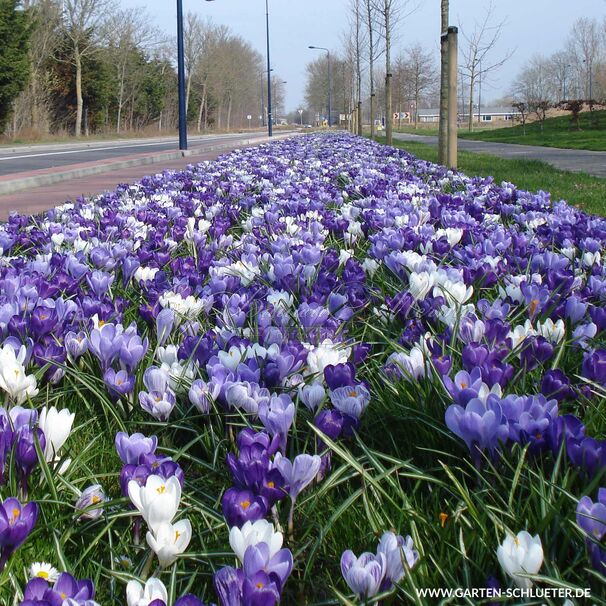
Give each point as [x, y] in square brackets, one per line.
[13, 183]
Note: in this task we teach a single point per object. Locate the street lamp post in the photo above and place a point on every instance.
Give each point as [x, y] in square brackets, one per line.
[270, 127]
[329, 83]
[181, 77]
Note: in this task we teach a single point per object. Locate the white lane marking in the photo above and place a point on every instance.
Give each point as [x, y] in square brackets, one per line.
[94, 149]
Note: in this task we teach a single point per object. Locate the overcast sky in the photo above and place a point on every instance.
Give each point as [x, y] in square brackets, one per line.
[532, 26]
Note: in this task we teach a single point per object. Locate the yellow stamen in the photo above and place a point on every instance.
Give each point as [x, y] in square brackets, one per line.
[353, 393]
[516, 541]
[443, 518]
[96, 499]
[260, 585]
[532, 307]
[161, 489]
[271, 485]
[245, 504]
[177, 535]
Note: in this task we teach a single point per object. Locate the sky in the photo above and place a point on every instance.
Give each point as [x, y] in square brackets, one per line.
[532, 26]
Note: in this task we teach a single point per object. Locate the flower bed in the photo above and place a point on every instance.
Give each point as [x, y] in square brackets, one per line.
[313, 371]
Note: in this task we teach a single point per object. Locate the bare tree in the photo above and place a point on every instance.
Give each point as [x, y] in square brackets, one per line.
[357, 42]
[128, 31]
[370, 28]
[585, 45]
[43, 42]
[391, 13]
[422, 74]
[83, 21]
[522, 109]
[477, 50]
[534, 87]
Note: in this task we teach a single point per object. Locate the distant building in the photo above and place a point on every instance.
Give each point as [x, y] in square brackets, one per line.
[487, 115]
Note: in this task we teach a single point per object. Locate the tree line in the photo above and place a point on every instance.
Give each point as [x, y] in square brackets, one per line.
[90, 66]
[573, 78]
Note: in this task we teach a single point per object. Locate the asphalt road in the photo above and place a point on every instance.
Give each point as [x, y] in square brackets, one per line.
[18, 159]
[575, 160]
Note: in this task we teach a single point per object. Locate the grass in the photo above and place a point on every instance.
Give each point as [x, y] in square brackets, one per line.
[557, 132]
[579, 189]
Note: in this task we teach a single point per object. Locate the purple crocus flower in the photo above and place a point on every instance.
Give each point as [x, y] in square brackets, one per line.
[76, 344]
[131, 448]
[555, 384]
[241, 506]
[118, 383]
[99, 282]
[105, 343]
[277, 416]
[132, 351]
[339, 375]
[261, 589]
[480, 425]
[591, 517]
[26, 455]
[588, 454]
[396, 550]
[16, 523]
[165, 321]
[189, 599]
[257, 558]
[594, 366]
[90, 501]
[312, 395]
[299, 473]
[351, 400]
[565, 429]
[228, 584]
[67, 587]
[365, 574]
[202, 395]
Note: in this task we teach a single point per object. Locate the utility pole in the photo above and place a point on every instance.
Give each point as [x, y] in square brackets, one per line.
[270, 126]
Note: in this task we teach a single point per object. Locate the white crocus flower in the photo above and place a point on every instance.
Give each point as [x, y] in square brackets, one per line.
[520, 333]
[522, 554]
[57, 426]
[157, 501]
[454, 292]
[44, 570]
[370, 266]
[13, 378]
[168, 541]
[419, 284]
[138, 595]
[552, 331]
[143, 274]
[230, 359]
[252, 533]
[324, 354]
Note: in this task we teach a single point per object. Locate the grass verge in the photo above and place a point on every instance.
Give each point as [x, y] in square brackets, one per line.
[557, 132]
[580, 189]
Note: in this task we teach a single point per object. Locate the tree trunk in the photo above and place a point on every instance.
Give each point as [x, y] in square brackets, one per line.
[371, 61]
[120, 99]
[229, 104]
[471, 83]
[79, 100]
[443, 132]
[202, 102]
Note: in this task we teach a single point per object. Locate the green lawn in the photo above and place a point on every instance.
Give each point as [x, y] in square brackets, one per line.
[580, 189]
[557, 132]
